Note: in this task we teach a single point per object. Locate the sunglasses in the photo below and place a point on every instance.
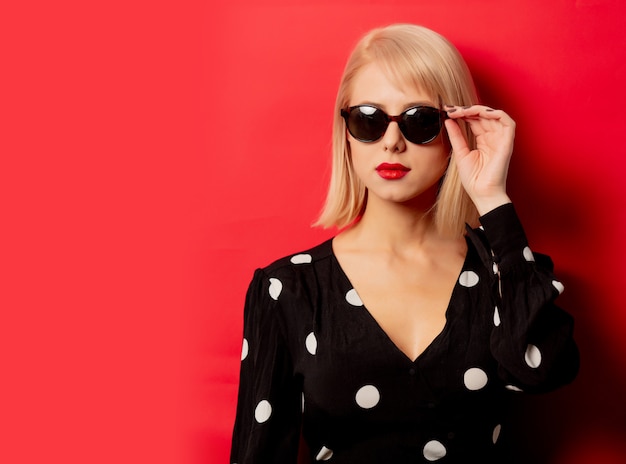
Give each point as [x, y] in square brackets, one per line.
[419, 124]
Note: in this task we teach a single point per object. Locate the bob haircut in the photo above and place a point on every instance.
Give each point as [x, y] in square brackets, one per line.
[416, 56]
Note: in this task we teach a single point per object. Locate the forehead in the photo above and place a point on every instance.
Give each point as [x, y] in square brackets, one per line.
[373, 84]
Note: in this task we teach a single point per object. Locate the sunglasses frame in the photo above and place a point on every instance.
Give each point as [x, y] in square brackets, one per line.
[345, 114]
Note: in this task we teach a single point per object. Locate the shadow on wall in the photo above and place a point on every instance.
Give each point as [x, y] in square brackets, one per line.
[584, 422]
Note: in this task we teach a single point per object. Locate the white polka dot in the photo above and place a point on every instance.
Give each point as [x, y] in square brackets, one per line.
[468, 278]
[353, 298]
[301, 259]
[367, 397]
[475, 378]
[513, 388]
[311, 343]
[263, 411]
[244, 349]
[496, 433]
[528, 254]
[496, 317]
[496, 269]
[532, 356]
[324, 455]
[434, 450]
[559, 286]
[276, 286]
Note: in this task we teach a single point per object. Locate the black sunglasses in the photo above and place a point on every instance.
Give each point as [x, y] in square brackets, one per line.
[418, 124]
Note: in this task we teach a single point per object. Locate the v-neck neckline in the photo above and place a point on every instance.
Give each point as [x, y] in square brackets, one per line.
[437, 339]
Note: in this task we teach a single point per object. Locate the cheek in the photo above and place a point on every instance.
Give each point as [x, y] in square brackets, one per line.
[359, 154]
[443, 140]
[359, 165]
[440, 156]
[445, 158]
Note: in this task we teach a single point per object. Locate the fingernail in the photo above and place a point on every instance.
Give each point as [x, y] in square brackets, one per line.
[489, 109]
[452, 110]
[466, 107]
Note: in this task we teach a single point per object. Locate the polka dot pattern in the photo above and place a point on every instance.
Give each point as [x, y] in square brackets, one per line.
[311, 343]
[324, 454]
[559, 286]
[353, 298]
[532, 356]
[276, 287]
[244, 349]
[475, 379]
[367, 397]
[303, 258]
[434, 450]
[362, 397]
[496, 317]
[263, 411]
[528, 255]
[468, 278]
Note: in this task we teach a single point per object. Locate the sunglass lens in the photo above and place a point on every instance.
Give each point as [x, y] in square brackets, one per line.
[367, 123]
[421, 124]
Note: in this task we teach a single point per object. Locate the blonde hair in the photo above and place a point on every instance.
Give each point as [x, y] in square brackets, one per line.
[416, 56]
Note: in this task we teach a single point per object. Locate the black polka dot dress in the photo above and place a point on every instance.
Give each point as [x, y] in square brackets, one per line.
[316, 364]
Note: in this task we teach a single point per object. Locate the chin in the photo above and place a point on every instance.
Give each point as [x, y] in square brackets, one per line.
[410, 199]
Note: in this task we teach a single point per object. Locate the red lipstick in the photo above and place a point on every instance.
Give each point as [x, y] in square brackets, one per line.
[392, 171]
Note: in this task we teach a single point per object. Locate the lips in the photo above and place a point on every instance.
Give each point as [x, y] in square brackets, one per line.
[392, 171]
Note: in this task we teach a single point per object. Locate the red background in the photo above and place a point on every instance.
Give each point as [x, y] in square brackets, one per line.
[154, 153]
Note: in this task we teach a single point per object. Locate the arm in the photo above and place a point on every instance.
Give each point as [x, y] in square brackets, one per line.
[269, 406]
[532, 337]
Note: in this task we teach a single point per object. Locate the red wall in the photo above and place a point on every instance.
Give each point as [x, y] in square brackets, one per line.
[155, 153]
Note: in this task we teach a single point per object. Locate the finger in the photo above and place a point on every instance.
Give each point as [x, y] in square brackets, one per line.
[483, 120]
[471, 115]
[477, 112]
[457, 139]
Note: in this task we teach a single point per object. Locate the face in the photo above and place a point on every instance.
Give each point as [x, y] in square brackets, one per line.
[392, 168]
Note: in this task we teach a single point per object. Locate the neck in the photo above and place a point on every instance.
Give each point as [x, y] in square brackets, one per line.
[392, 225]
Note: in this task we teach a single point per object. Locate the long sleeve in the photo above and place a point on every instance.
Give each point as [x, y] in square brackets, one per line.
[267, 424]
[532, 338]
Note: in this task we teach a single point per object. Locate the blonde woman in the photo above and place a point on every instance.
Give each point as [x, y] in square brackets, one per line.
[401, 339]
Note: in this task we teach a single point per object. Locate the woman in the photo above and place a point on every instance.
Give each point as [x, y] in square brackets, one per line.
[401, 339]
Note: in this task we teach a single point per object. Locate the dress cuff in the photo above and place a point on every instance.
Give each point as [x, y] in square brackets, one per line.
[506, 236]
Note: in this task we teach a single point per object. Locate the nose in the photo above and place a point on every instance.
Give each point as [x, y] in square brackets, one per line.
[393, 140]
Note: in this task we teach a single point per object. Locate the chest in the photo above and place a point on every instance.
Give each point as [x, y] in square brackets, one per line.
[407, 300]
[354, 349]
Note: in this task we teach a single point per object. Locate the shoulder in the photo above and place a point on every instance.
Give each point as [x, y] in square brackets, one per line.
[298, 269]
[300, 260]
[289, 287]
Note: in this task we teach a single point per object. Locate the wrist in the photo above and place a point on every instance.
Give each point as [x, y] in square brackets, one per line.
[485, 205]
